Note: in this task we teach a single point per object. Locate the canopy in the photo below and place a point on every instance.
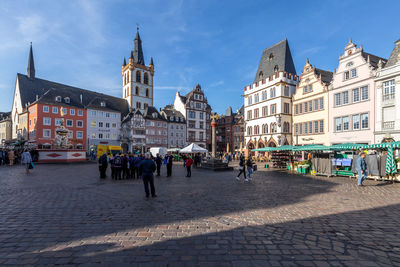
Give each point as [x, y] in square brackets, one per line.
[347, 146]
[311, 148]
[278, 148]
[173, 149]
[193, 148]
[391, 166]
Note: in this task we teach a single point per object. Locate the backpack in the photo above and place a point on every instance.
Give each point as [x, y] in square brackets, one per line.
[117, 161]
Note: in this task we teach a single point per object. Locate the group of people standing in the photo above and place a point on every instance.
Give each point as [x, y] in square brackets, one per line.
[13, 156]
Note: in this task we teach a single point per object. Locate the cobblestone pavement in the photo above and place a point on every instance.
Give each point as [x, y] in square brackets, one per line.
[65, 215]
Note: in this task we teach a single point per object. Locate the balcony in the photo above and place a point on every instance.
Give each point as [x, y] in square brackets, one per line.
[388, 99]
[388, 125]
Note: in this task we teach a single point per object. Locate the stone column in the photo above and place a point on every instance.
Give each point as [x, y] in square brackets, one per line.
[214, 138]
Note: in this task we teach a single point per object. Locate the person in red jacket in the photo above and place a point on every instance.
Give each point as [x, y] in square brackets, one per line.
[189, 163]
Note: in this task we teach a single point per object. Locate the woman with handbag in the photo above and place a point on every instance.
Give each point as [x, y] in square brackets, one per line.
[27, 160]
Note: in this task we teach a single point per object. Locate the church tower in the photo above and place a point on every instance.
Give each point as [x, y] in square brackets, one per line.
[137, 78]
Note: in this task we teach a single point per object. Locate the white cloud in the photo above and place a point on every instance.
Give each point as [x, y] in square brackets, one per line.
[218, 83]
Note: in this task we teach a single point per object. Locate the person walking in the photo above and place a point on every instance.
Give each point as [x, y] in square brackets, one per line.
[158, 161]
[184, 158]
[27, 160]
[147, 168]
[189, 163]
[242, 168]
[103, 163]
[249, 166]
[124, 168]
[11, 157]
[131, 166]
[361, 167]
[169, 165]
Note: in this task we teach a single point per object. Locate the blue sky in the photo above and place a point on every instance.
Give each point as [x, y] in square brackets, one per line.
[215, 43]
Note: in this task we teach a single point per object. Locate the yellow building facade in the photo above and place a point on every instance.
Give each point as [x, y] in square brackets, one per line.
[310, 107]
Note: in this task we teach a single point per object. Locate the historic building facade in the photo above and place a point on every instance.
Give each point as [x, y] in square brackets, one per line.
[176, 127]
[5, 127]
[352, 97]
[387, 122]
[268, 100]
[137, 78]
[156, 128]
[310, 107]
[133, 132]
[239, 131]
[197, 112]
[225, 131]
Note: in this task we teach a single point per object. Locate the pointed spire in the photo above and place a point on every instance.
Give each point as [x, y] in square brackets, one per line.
[138, 51]
[31, 65]
[151, 61]
[131, 56]
[307, 62]
[350, 41]
[124, 62]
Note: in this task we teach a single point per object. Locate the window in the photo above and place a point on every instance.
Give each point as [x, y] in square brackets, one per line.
[353, 73]
[264, 111]
[249, 117]
[65, 111]
[107, 115]
[70, 123]
[100, 136]
[264, 95]
[137, 90]
[93, 135]
[100, 124]
[192, 114]
[305, 106]
[321, 103]
[93, 113]
[337, 100]
[114, 115]
[93, 124]
[249, 100]
[296, 109]
[58, 98]
[316, 126]
[305, 89]
[57, 122]
[389, 89]
[345, 96]
[300, 108]
[356, 95]
[79, 124]
[305, 128]
[273, 109]
[286, 108]
[147, 92]
[46, 121]
[346, 75]
[55, 110]
[70, 134]
[146, 78]
[364, 93]
[46, 109]
[256, 113]
[272, 93]
[310, 105]
[321, 126]
[256, 98]
[114, 125]
[338, 124]
[316, 104]
[345, 123]
[47, 133]
[310, 127]
[138, 105]
[72, 111]
[286, 91]
[301, 128]
[364, 121]
[79, 135]
[296, 128]
[138, 77]
[80, 112]
[356, 122]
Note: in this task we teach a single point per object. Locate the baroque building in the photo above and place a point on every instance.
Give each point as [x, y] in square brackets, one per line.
[352, 97]
[137, 78]
[196, 110]
[387, 123]
[268, 100]
[176, 127]
[310, 107]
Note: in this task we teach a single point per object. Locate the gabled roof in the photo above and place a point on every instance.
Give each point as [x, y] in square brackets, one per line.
[373, 59]
[326, 76]
[394, 56]
[5, 116]
[132, 113]
[148, 114]
[279, 56]
[168, 111]
[31, 89]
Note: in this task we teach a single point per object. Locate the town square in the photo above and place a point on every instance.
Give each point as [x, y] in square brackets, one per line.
[199, 133]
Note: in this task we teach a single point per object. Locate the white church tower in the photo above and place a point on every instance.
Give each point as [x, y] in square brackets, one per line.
[137, 78]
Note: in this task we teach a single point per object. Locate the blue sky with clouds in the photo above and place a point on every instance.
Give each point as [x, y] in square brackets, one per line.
[215, 43]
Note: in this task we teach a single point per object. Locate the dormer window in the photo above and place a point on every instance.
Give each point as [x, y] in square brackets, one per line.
[260, 75]
[67, 100]
[349, 64]
[103, 103]
[276, 68]
[58, 98]
[154, 115]
[271, 57]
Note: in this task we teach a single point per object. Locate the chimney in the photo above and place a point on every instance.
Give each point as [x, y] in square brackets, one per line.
[81, 98]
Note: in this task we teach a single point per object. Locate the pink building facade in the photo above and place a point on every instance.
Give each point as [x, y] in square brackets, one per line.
[352, 97]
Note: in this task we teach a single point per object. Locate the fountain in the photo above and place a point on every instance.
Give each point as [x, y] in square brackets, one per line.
[61, 138]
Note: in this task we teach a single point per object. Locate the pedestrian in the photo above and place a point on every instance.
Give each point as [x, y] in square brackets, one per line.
[189, 163]
[27, 160]
[242, 169]
[249, 166]
[361, 167]
[169, 165]
[137, 164]
[103, 163]
[147, 168]
[117, 166]
[184, 158]
[124, 166]
[132, 166]
[158, 161]
[11, 157]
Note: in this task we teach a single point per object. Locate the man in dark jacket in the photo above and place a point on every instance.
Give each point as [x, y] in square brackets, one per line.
[158, 161]
[117, 166]
[103, 163]
[169, 165]
[147, 168]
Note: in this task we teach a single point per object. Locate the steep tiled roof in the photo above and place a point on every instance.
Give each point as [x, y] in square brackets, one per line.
[148, 114]
[277, 55]
[33, 89]
[326, 76]
[394, 56]
[373, 59]
[173, 112]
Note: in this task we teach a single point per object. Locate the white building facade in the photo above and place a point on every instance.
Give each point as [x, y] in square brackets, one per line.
[387, 123]
[176, 127]
[352, 97]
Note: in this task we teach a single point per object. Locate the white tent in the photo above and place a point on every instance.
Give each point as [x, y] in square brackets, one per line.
[193, 148]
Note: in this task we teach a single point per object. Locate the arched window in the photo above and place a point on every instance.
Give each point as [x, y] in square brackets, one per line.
[137, 90]
[260, 75]
[249, 130]
[138, 77]
[285, 127]
[146, 78]
[256, 129]
[147, 92]
[276, 68]
[265, 128]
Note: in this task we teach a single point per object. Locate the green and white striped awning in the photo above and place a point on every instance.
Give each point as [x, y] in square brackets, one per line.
[278, 148]
[311, 148]
[346, 146]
